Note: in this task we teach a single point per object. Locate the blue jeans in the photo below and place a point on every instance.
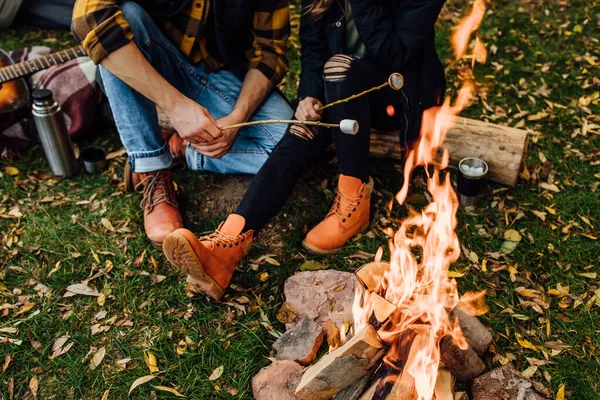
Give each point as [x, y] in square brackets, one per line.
[136, 116]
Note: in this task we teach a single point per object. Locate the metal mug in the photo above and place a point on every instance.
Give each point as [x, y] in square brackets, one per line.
[94, 159]
[471, 176]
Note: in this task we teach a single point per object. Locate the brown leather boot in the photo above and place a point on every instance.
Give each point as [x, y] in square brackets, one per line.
[177, 148]
[211, 260]
[348, 216]
[161, 214]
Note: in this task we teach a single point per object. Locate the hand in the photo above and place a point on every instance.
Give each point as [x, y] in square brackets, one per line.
[307, 110]
[192, 122]
[221, 146]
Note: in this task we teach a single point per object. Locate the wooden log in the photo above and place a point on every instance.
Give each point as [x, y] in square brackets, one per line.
[343, 367]
[464, 364]
[371, 274]
[444, 384]
[476, 334]
[404, 387]
[354, 391]
[503, 148]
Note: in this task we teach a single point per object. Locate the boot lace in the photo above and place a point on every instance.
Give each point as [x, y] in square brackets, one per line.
[156, 190]
[220, 239]
[344, 206]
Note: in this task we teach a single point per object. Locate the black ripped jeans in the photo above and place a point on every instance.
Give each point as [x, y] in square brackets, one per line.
[300, 148]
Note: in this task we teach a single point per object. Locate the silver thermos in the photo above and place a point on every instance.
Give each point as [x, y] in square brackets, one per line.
[53, 133]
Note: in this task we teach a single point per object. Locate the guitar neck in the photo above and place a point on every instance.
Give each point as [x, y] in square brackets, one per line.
[25, 68]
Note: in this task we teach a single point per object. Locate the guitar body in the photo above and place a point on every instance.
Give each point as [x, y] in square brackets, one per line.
[14, 97]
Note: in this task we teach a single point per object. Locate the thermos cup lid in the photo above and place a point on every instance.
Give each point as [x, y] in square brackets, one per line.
[42, 95]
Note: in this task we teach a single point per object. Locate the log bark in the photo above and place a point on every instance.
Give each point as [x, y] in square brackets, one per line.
[464, 364]
[503, 148]
[476, 334]
[343, 367]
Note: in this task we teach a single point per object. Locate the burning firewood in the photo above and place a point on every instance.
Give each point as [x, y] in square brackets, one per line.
[464, 364]
[444, 385]
[476, 334]
[343, 367]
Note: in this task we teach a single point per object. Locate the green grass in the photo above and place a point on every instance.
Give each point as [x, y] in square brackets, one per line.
[538, 44]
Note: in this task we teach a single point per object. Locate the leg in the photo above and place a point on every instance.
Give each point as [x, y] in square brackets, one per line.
[273, 185]
[344, 76]
[254, 143]
[134, 114]
[210, 261]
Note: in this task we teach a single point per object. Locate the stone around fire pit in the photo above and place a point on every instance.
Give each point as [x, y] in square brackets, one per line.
[321, 296]
[278, 381]
[504, 383]
[300, 344]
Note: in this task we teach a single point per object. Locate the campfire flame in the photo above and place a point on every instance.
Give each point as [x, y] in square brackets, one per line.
[426, 244]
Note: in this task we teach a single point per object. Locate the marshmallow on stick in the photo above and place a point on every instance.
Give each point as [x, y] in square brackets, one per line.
[347, 126]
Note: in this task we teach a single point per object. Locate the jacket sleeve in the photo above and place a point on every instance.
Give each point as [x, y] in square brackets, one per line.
[395, 32]
[100, 27]
[314, 54]
[271, 29]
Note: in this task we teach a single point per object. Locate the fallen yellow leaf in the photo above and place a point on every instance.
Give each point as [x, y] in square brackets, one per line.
[216, 374]
[455, 274]
[560, 395]
[590, 275]
[169, 390]
[140, 381]
[150, 360]
[526, 343]
[12, 171]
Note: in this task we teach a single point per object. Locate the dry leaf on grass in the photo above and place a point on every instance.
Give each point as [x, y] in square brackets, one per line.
[82, 289]
[141, 381]
[560, 394]
[34, 386]
[216, 374]
[12, 171]
[151, 362]
[169, 390]
[60, 346]
[97, 358]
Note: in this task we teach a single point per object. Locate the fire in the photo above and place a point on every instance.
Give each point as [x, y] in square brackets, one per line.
[425, 246]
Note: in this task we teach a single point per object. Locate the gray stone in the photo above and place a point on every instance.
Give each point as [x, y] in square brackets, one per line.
[321, 296]
[300, 344]
[504, 383]
[277, 381]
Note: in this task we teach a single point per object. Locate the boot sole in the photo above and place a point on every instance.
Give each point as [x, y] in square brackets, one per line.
[180, 254]
[316, 250]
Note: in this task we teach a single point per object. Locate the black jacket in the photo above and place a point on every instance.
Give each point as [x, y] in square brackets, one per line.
[399, 36]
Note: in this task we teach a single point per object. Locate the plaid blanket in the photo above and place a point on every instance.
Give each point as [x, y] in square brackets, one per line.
[74, 87]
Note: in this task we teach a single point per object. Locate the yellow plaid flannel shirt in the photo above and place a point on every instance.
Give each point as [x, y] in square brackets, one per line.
[101, 28]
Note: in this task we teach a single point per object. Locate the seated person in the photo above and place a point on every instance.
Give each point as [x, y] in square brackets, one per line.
[207, 64]
[347, 47]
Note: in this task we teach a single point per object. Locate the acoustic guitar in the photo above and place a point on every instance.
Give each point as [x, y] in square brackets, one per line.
[14, 93]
